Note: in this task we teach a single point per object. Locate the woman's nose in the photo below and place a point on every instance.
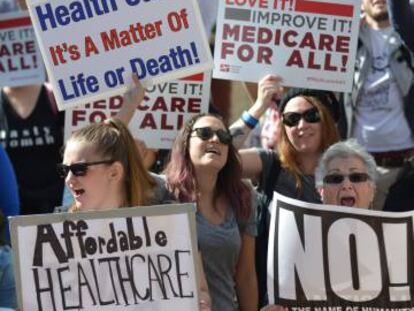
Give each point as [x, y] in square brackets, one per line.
[69, 177]
[214, 138]
[346, 183]
[302, 123]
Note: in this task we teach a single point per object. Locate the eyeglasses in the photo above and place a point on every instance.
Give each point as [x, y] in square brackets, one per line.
[205, 133]
[292, 118]
[339, 179]
[78, 169]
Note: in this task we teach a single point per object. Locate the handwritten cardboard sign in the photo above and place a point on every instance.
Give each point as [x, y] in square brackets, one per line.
[124, 259]
[339, 258]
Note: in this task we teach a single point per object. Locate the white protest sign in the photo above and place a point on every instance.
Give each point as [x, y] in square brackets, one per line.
[157, 120]
[90, 48]
[323, 257]
[124, 259]
[20, 59]
[308, 43]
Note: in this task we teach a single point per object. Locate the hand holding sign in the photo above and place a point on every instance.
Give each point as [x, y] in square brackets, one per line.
[269, 90]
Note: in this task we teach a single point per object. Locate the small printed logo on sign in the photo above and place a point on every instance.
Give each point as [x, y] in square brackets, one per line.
[224, 67]
[229, 68]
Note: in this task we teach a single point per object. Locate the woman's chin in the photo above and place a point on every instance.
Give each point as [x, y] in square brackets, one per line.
[81, 206]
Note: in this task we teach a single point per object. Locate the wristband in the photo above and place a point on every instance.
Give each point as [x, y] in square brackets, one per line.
[249, 120]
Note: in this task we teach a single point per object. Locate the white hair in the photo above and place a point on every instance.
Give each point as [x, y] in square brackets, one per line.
[345, 149]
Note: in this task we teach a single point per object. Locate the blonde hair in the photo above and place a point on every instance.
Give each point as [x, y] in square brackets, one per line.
[113, 140]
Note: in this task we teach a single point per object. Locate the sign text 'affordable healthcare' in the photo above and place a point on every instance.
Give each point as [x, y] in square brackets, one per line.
[92, 47]
[125, 259]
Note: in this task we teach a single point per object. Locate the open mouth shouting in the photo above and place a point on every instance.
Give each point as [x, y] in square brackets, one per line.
[78, 192]
[347, 201]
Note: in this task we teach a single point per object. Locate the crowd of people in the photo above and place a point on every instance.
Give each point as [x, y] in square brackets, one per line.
[353, 150]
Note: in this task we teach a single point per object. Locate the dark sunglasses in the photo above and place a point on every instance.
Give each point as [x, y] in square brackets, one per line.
[292, 118]
[339, 179]
[205, 133]
[78, 169]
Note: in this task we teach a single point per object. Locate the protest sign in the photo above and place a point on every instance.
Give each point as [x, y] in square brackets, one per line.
[20, 59]
[308, 43]
[166, 107]
[91, 48]
[124, 259]
[334, 258]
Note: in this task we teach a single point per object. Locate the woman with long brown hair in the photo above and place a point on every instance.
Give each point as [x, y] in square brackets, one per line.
[205, 168]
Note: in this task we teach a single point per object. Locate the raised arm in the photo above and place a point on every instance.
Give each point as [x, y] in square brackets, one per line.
[251, 163]
[132, 97]
[402, 19]
[269, 89]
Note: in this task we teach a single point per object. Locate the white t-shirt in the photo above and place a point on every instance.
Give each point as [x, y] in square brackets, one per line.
[380, 124]
[209, 9]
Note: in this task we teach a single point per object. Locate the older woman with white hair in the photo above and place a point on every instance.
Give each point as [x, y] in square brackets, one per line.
[346, 175]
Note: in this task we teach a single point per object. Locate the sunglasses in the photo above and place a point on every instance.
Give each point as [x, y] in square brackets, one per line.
[292, 118]
[78, 169]
[205, 133]
[337, 179]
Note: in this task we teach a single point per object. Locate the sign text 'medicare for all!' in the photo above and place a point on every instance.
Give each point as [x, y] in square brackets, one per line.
[308, 43]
